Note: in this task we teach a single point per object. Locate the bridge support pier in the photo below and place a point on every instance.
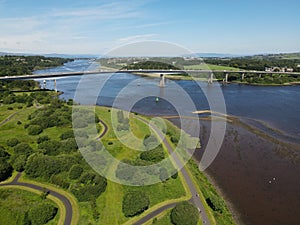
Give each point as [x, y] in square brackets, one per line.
[225, 81]
[243, 76]
[55, 88]
[162, 80]
[210, 78]
[259, 75]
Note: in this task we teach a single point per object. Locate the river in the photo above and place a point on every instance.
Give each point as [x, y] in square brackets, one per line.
[257, 174]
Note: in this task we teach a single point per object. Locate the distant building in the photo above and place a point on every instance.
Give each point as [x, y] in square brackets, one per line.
[279, 69]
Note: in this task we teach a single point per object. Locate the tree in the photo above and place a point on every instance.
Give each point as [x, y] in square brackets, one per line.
[5, 169]
[3, 154]
[50, 147]
[43, 166]
[35, 130]
[90, 186]
[23, 149]
[42, 213]
[67, 135]
[19, 162]
[12, 142]
[156, 155]
[184, 213]
[42, 139]
[135, 203]
[75, 172]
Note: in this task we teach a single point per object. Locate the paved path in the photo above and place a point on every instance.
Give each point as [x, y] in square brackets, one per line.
[195, 195]
[62, 198]
[9, 118]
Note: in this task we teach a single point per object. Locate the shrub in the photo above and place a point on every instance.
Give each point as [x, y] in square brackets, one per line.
[90, 187]
[50, 147]
[42, 213]
[35, 130]
[5, 169]
[75, 172]
[3, 154]
[12, 142]
[43, 166]
[66, 135]
[185, 213]
[155, 155]
[19, 162]
[23, 149]
[42, 139]
[135, 203]
[59, 181]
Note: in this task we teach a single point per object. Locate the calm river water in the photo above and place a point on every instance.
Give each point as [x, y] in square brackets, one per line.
[259, 175]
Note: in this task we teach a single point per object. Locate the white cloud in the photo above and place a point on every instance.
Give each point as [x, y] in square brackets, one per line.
[140, 37]
[70, 29]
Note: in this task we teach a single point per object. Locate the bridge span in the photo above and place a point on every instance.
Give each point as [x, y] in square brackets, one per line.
[207, 73]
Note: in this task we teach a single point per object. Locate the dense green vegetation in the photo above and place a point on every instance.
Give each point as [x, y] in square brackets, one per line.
[18, 207]
[185, 213]
[258, 62]
[135, 203]
[150, 65]
[21, 65]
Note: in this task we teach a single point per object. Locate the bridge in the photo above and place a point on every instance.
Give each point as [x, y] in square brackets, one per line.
[207, 73]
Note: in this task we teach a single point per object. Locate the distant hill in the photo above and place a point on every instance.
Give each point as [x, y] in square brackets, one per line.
[55, 55]
[217, 55]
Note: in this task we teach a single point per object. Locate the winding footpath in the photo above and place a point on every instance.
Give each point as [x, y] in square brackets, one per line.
[187, 179]
[62, 198]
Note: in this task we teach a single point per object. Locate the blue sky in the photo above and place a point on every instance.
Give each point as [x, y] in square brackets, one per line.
[94, 27]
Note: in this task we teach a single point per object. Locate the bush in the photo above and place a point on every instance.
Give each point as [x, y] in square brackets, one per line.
[90, 186]
[60, 181]
[3, 154]
[5, 169]
[185, 213]
[43, 166]
[150, 141]
[67, 135]
[50, 147]
[75, 172]
[35, 130]
[23, 149]
[174, 139]
[19, 162]
[156, 155]
[42, 139]
[42, 213]
[134, 203]
[12, 142]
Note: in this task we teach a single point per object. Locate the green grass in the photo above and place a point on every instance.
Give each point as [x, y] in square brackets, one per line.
[210, 66]
[163, 219]
[208, 191]
[14, 203]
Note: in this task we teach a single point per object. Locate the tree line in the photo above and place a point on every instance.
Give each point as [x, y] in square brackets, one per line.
[21, 65]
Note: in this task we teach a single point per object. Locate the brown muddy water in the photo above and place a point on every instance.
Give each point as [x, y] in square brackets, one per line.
[258, 178]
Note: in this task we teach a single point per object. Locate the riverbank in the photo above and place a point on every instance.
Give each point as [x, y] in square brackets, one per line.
[247, 178]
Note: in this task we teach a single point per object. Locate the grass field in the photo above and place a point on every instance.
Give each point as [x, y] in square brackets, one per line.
[110, 202]
[14, 203]
[210, 66]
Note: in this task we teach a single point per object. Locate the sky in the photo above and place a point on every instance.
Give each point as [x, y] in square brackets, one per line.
[96, 26]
